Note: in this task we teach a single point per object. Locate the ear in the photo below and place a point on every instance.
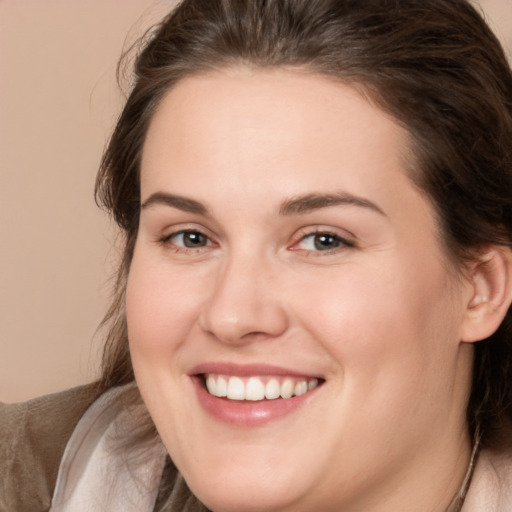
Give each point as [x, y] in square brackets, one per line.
[491, 284]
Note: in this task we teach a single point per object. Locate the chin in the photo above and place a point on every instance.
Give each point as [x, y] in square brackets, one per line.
[234, 493]
[242, 499]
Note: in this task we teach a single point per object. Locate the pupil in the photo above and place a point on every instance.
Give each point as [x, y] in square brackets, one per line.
[194, 239]
[325, 242]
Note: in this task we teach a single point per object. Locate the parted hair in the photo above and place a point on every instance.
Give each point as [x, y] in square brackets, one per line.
[434, 66]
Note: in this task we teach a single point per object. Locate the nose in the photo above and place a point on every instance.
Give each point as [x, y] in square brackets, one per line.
[244, 303]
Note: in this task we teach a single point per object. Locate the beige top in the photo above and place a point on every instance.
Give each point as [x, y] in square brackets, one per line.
[94, 473]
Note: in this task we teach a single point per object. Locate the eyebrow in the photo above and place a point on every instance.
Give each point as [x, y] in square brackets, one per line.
[310, 202]
[295, 206]
[181, 203]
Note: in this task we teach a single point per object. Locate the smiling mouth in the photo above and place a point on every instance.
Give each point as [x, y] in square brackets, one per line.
[256, 388]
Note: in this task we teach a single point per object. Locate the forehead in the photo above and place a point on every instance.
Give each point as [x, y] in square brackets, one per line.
[296, 126]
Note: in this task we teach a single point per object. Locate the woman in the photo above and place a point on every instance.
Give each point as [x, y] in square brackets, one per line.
[313, 307]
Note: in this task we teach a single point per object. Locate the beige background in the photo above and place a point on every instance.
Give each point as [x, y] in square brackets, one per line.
[58, 102]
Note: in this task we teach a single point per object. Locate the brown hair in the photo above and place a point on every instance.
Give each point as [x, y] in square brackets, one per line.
[434, 65]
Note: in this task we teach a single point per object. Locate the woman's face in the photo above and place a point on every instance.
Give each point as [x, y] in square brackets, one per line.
[283, 250]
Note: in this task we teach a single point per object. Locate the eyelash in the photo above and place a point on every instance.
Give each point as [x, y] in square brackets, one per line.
[341, 242]
[167, 241]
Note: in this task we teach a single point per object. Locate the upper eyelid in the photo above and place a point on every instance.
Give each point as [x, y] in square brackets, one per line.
[181, 231]
[338, 232]
[165, 241]
[322, 232]
[185, 227]
[344, 240]
[300, 234]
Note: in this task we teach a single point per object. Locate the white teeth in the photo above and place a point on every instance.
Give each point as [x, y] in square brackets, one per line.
[236, 389]
[255, 389]
[287, 388]
[272, 389]
[222, 387]
[211, 385]
[301, 387]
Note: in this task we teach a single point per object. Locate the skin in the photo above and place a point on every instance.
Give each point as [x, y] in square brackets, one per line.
[379, 318]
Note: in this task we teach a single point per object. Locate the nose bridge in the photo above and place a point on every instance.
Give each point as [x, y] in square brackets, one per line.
[243, 302]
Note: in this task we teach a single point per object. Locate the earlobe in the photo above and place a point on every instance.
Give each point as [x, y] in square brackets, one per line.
[491, 294]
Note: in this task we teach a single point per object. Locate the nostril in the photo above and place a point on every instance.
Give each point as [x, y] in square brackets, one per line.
[247, 327]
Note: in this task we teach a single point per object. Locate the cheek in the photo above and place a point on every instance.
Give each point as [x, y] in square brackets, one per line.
[161, 312]
[161, 308]
[388, 324]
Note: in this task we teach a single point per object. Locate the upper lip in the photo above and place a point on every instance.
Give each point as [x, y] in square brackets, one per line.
[247, 370]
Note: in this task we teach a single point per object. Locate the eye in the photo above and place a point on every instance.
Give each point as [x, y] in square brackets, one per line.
[188, 239]
[322, 242]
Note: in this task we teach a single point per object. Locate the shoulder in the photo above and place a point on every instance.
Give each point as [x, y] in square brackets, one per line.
[33, 436]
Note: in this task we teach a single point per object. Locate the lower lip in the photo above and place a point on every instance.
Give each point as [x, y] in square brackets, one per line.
[247, 413]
